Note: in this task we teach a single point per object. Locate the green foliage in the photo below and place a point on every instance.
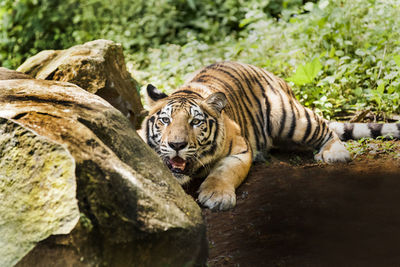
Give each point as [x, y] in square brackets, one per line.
[372, 147]
[306, 74]
[29, 26]
[340, 56]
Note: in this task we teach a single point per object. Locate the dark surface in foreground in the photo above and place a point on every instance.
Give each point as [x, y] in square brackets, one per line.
[312, 215]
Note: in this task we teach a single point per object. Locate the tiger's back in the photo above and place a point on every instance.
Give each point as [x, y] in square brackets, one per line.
[262, 104]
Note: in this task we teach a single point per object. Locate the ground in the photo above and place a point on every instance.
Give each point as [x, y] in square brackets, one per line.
[292, 211]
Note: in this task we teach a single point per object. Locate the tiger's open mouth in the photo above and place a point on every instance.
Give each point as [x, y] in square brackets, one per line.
[176, 164]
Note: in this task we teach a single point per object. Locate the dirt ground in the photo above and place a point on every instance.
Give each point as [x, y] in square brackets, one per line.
[294, 212]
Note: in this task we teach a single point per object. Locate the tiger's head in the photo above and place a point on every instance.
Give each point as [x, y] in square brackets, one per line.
[184, 129]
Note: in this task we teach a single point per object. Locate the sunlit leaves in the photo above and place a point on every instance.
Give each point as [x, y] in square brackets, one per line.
[306, 73]
[396, 59]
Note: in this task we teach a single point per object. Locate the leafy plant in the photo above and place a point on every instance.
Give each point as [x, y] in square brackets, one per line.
[306, 73]
[339, 56]
[28, 26]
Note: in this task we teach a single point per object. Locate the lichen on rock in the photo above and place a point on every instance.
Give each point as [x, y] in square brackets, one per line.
[37, 190]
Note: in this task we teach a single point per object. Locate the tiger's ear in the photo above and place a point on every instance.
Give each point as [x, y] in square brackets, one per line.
[153, 95]
[217, 101]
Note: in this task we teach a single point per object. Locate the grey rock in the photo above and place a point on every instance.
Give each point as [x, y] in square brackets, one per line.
[132, 210]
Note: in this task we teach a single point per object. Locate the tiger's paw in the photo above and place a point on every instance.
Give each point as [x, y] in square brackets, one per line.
[334, 151]
[217, 196]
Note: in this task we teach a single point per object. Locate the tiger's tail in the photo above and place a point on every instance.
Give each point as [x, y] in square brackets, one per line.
[348, 131]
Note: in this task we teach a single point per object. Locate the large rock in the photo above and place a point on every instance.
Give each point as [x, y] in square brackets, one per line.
[37, 188]
[98, 67]
[6, 74]
[132, 211]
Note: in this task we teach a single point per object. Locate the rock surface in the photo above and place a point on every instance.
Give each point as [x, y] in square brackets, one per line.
[98, 67]
[132, 210]
[37, 188]
[6, 74]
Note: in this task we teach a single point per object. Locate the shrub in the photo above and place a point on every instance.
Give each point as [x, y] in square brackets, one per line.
[348, 49]
[29, 26]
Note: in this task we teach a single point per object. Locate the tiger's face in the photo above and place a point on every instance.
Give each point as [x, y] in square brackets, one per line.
[184, 132]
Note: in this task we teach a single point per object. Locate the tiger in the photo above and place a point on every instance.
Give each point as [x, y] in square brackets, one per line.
[230, 114]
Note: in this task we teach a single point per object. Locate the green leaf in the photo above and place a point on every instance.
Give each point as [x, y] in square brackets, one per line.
[390, 90]
[397, 59]
[332, 52]
[306, 73]
[191, 4]
[246, 21]
[381, 88]
[360, 53]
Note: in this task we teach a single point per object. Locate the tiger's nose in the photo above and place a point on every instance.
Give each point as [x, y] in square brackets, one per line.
[177, 145]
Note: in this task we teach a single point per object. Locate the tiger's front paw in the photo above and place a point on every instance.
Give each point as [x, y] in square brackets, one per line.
[217, 196]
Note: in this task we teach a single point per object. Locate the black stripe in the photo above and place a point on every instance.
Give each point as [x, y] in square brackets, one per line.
[265, 120]
[210, 151]
[205, 69]
[230, 148]
[238, 104]
[214, 141]
[283, 116]
[263, 77]
[244, 96]
[376, 129]
[261, 74]
[236, 157]
[150, 121]
[261, 123]
[317, 129]
[192, 102]
[293, 124]
[244, 151]
[231, 96]
[287, 88]
[212, 66]
[249, 85]
[211, 124]
[268, 116]
[322, 135]
[330, 135]
[242, 92]
[187, 92]
[308, 130]
[348, 131]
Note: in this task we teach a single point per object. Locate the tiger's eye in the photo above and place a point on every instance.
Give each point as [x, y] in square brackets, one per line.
[196, 122]
[165, 120]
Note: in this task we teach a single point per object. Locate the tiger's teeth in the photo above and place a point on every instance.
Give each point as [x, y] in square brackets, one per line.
[178, 163]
